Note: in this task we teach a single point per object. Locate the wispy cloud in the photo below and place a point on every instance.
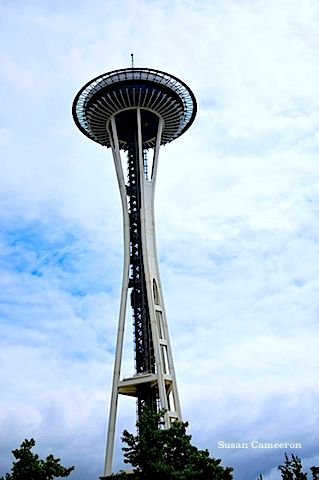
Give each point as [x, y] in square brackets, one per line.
[236, 210]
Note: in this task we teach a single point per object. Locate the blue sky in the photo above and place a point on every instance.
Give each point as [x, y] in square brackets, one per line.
[237, 209]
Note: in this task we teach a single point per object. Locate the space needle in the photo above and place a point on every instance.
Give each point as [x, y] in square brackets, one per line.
[134, 111]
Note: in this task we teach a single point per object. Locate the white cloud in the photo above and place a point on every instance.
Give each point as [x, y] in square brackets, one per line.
[236, 210]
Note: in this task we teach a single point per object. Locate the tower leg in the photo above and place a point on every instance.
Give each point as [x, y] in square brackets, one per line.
[121, 324]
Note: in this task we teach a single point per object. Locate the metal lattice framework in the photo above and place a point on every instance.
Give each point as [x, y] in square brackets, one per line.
[144, 350]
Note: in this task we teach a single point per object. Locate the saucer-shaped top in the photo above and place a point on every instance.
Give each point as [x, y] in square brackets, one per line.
[157, 93]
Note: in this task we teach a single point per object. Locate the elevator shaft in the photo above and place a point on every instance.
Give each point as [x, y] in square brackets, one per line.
[144, 351]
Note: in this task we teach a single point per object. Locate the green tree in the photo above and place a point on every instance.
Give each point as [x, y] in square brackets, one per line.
[292, 470]
[30, 467]
[315, 473]
[167, 454]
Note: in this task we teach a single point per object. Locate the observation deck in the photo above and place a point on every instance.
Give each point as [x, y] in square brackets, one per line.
[156, 93]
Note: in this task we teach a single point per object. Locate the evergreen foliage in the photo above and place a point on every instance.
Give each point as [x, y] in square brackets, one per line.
[167, 454]
[292, 470]
[315, 473]
[30, 467]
